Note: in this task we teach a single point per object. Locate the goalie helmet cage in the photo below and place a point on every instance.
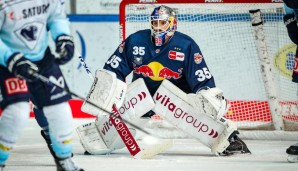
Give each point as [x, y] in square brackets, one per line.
[247, 49]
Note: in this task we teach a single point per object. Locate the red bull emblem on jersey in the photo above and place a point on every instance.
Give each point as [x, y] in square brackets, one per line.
[145, 70]
[198, 58]
[168, 73]
[157, 72]
[179, 56]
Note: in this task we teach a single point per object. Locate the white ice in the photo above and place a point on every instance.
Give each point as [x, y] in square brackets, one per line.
[31, 154]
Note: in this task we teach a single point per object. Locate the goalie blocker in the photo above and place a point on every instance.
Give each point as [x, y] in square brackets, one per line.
[200, 116]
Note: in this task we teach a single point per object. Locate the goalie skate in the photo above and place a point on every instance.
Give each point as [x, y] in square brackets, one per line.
[292, 158]
[293, 153]
[237, 146]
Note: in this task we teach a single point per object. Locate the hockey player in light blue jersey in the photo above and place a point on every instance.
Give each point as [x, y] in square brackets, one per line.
[24, 31]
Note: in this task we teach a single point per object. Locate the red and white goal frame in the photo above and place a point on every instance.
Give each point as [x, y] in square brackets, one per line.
[247, 49]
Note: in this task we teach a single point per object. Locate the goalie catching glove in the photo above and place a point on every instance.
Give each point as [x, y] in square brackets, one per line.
[210, 101]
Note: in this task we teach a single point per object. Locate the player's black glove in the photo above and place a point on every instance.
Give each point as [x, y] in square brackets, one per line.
[291, 24]
[65, 48]
[21, 67]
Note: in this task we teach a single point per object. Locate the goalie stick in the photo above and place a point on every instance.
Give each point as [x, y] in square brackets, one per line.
[116, 121]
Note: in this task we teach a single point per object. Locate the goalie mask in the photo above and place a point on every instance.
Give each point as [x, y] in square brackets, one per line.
[163, 24]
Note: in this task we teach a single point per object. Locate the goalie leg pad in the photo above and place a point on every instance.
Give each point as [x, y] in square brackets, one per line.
[101, 137]
[91, 139]
[109, 133]
[172, 104]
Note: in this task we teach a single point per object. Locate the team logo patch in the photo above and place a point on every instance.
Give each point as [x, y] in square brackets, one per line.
[157, 50]
[138, 60]
[179, 56]
[59, 81]
[30, 33]
[12, 16]
[15, 85]
[198, 58]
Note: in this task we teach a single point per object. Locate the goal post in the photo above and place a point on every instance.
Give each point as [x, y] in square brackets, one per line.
[247, 49]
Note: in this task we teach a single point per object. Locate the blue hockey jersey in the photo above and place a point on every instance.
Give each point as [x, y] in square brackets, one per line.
[24, 26]
[180, 61]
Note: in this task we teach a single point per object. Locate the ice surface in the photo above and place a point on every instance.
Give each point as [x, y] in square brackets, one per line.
[31, 154]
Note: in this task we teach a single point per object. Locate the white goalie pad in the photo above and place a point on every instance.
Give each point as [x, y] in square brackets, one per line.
[93, 142]
[91, 139]
[138, 102]
[105, 91]
[173, 105]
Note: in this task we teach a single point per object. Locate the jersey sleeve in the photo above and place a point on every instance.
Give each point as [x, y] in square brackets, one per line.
[119, 62]
[58, 22]
[197, 73]
[5, 53]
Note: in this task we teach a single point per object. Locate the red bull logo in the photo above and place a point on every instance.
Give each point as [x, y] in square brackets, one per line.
[145, 70]
[198, 58]
[157, 72]
[168, 73]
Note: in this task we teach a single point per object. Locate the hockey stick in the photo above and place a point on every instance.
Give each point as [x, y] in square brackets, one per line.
[118, 122]
[49, 82]
[145, 153]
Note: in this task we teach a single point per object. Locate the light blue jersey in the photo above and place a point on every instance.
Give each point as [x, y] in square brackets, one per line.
[24, 26]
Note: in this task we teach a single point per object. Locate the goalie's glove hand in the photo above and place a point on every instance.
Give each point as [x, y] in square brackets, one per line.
[21, 67]
[65, 49]
[290, 22]
[215, 98]
[209, 101]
